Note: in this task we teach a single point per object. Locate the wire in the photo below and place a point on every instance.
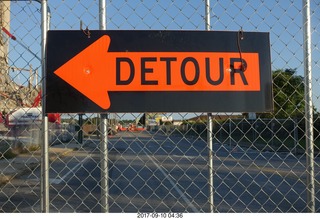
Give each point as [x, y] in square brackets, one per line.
[241, 37]
[20, 43]
[33, 14]
[87, 32]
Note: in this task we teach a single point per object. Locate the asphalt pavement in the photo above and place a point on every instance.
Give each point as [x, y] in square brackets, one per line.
[159, 172]
[27, 161]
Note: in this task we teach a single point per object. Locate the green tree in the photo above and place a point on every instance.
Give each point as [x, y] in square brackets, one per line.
[288, 94]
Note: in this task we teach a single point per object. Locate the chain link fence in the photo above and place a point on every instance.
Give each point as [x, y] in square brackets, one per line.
[160, 162]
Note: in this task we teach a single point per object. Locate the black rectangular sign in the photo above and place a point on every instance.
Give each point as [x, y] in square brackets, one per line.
[158, 71]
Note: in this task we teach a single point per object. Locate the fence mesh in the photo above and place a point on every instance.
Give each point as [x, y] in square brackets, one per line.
[159, 162]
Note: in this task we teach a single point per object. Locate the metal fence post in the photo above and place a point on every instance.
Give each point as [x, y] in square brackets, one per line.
[104, 129]
[210, 157]
[209, 126]
[45, 129]
[104, 163]
[308, 105]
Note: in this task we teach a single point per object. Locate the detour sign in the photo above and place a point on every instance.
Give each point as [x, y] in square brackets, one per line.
[157, 73]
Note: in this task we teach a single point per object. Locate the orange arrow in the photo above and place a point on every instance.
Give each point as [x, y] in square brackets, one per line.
[94, 71]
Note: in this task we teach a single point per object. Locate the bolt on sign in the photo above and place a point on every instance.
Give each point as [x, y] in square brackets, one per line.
[158, 71]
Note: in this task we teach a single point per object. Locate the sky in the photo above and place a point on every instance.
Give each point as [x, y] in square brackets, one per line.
[282, 19]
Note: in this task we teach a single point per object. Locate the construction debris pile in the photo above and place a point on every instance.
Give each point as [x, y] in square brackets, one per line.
[12, 95]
